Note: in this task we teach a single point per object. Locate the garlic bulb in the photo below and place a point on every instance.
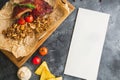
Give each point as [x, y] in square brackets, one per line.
[24, 73]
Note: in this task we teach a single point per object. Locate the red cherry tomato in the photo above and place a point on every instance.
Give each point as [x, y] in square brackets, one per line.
[36, 60]
[29, 18]
[43, 51]
[21, 21]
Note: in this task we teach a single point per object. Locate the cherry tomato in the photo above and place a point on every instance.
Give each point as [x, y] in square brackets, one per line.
[36, 60]
[43, 51]
[29, 18]
[21, 21]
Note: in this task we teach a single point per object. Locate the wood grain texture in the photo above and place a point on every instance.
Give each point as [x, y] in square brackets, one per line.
[20, 61]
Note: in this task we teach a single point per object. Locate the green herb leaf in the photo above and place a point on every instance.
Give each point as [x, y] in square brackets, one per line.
[28, 5]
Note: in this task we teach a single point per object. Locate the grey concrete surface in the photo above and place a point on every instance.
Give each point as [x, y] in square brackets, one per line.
[58, 44]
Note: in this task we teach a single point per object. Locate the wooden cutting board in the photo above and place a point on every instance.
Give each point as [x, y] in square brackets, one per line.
[20, 61]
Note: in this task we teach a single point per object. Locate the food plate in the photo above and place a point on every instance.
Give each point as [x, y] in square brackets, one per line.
[61, 9]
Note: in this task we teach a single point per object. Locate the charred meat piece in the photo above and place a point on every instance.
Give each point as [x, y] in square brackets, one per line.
[42, 8]
[18, 11]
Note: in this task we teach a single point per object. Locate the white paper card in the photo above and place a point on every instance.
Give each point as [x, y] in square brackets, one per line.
[87, 44]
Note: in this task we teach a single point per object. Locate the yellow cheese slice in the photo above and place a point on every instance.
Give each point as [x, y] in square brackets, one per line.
[46, 74]
[40, 68]
[59, 78]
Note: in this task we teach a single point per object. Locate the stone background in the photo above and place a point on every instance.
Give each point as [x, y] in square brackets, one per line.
[58, 44]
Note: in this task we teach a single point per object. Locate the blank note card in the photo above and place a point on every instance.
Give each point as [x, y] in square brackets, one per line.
[87, 44]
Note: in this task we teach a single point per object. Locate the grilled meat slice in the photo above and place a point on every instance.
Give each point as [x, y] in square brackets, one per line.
[18, 11]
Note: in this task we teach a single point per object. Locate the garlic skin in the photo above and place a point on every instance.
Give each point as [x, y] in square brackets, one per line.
[24, 73]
